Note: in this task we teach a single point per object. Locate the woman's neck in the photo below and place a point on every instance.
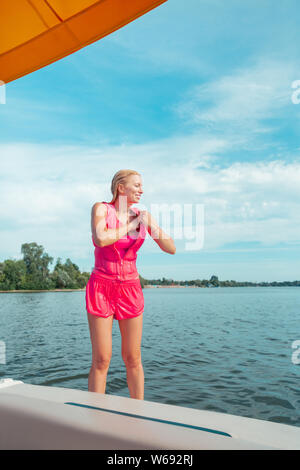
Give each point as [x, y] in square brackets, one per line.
[122, 206]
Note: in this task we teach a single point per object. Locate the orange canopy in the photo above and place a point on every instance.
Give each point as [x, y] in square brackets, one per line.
[35, 33]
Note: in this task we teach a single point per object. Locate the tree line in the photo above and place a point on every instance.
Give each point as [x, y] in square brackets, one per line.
[215, 282]
[33, 273]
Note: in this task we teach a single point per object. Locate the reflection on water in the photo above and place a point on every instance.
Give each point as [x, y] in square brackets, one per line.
[225, 349]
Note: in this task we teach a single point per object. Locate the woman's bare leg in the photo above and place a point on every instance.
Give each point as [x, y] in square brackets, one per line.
[101, 338]
[131, 332]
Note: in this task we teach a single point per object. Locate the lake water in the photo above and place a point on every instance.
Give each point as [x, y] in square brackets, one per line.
[223, 349]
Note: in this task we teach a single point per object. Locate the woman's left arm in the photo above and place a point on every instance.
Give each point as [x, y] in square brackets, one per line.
[164, 241]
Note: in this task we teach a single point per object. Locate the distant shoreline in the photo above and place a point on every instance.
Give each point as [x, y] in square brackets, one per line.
[40, 290]
[81, 290]
[145, 287]
[32, 271]
[162, 287]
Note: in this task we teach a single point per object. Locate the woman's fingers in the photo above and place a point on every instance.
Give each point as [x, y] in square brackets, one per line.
[143, 217]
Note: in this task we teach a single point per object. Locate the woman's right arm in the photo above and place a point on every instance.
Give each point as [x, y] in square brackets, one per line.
[102, 235]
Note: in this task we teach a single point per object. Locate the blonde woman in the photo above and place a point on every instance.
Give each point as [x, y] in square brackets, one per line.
[114, 288]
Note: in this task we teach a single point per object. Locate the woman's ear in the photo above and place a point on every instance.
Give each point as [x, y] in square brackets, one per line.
[122, 187]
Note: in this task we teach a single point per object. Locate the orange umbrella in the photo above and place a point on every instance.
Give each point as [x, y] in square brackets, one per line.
[35, 33]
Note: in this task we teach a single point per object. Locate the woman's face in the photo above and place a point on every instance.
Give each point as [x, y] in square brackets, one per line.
[132, 189]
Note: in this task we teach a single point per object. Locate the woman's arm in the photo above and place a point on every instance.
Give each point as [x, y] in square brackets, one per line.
[101, 234]
[164, 241]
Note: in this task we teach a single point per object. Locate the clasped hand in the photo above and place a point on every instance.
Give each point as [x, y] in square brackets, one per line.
[142, 218]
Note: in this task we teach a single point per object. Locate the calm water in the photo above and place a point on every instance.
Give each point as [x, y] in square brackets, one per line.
[225, 349]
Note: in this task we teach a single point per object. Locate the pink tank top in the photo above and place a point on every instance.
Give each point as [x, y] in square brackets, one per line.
[118, 260]
[123, 243]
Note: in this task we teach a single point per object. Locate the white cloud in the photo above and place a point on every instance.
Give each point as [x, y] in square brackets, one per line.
[243, 98]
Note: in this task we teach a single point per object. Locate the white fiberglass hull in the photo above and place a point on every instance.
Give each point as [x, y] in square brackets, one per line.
[40, 417]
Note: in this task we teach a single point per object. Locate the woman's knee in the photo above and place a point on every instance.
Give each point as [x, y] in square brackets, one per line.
[101, 362]
[132, 359]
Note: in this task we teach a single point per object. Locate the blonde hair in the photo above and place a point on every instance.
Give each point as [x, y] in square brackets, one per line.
[120, 178]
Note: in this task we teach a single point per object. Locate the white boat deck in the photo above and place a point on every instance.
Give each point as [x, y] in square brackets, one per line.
[40, 417]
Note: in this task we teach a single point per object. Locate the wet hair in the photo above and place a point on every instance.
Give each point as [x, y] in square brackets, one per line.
[120, 177]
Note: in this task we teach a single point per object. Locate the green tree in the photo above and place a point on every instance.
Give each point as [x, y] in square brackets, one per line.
[61, 279]
[82, 279]
[214, 280]
[68, 275]
[37, 266]
[12, 274]
[143, 282]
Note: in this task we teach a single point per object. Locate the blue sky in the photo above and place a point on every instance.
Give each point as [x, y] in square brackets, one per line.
[196, 96]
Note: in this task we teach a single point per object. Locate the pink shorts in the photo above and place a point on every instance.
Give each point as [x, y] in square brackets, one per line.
[106, 297]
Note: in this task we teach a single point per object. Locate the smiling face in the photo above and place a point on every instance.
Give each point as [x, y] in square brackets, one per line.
[132, 189]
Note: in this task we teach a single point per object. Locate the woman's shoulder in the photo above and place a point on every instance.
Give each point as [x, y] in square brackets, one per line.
[100, 208]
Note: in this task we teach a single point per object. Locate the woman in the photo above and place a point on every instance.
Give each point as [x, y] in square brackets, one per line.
[114, 288]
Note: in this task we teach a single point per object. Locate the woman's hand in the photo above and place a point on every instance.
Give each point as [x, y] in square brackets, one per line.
[142, 218]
